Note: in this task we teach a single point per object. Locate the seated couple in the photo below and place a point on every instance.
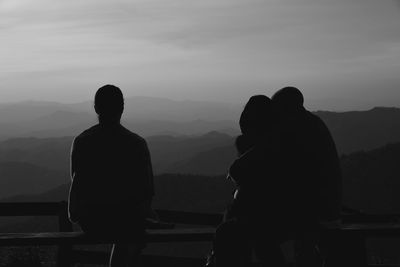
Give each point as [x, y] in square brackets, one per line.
[288, 182]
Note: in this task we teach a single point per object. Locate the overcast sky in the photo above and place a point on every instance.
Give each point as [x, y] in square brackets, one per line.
[343, 54]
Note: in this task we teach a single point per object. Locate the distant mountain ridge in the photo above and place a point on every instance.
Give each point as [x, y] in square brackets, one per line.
[371, 179]
[154, 116]
[195, 153]
[173, 191]
[207, 153]
[149, 115]
[352, 131]
[54, 153]
[370, 183]
[215, 161]
[167, 151]
[363, 130]
[18, 178]
[49, 153]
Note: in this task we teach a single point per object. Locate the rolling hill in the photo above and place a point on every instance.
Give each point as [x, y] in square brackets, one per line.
[371, 179]
[363, 130]
[49, 153]
[148, 116]
[167, 151]
[370, 183]
[53, 153]
[23, 178]
[212, 162]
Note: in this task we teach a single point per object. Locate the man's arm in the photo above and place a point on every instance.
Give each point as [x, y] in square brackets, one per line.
[149, 176]
[73, 193]
[247, 166]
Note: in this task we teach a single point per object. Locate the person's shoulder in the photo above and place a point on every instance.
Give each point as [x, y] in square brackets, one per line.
[132, 136]
[86, 133]
[319, 127]
[311, 116]
[315, 119]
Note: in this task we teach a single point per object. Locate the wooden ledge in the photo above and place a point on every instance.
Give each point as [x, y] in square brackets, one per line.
[153, 236]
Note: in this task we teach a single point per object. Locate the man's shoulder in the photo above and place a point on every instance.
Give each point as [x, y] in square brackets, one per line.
[132, 136]
[87, 133]
[315, 120]
[319, 128]
[97, 131]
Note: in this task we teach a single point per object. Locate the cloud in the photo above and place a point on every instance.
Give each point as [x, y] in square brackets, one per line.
[239, 42]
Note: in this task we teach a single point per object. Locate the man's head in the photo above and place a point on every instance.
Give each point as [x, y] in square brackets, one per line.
[288, 100]
[109, 103]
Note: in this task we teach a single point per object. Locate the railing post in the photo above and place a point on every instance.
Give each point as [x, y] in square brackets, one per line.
[64, 250]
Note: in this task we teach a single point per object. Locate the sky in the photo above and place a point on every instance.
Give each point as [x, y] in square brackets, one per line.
[343, 54]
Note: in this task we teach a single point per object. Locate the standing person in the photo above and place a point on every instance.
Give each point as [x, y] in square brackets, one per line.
[112, 179]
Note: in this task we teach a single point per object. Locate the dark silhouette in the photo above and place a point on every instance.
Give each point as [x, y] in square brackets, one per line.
[112, 180]
[313, 171]
[289, 183]
[253, 121]
[243, 144]
[317, 156]
[253, 218]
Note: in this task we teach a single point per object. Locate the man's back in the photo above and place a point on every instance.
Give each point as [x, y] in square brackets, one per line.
[326, 164]
[314, 174]
[112, 179]
[312, 155]
[111, 172]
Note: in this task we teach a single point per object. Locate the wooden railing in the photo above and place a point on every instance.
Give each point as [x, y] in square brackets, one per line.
[59, 209]
[65, 238]
[350, 237]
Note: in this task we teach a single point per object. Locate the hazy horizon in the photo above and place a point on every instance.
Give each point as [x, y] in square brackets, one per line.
[344, 55]
[310, 104]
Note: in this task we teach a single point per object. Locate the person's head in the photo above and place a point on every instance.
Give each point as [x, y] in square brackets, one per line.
[109, 104]
[288, 100]
[243, 144]
[257, 116]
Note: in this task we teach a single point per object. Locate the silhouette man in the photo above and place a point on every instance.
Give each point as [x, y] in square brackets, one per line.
[112, 179]
[313, 169]
[312, 140]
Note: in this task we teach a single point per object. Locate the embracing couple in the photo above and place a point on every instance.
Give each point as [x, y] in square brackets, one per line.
[288, 182]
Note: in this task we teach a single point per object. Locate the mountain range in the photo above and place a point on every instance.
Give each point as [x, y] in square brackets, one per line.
[363, 130]
[200, 153]
[191, 145]
[26, 178]
[149, 116]
[370, 184]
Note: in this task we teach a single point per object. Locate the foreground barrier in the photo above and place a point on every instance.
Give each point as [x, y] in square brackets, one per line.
[349, 239]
